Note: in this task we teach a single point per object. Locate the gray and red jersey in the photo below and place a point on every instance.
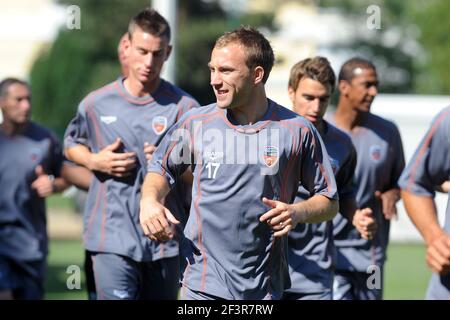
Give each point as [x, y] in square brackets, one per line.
[428, 168]
[230, 253]
[380, 161]
[311, 246]
[111, 218]
[23, 235]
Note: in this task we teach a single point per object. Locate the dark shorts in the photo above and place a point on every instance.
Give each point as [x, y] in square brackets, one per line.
[349, 285]
[121, 278]
[25, 280]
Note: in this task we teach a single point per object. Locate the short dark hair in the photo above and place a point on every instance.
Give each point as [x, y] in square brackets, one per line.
[259, 52]
[348, 68]
[149, 20]
[6, 83]
[317, 68]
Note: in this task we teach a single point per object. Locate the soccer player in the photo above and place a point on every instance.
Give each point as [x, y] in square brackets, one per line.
[430, 166]
[248, 155]
[114, 134]
[30, 166]
[380, 161]
[311, 247]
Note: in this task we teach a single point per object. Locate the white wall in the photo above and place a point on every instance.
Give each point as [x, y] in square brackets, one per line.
[413, 115]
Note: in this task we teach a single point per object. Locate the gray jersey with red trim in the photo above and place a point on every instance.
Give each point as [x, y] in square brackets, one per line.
[428, 168]
[380, 161]
[111, 218]
[23, 235]
[311, 246]
[230, 253]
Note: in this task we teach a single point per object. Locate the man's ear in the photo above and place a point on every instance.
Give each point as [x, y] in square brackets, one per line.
[258, 74]
[343, 87]
[291, 93]
[169, 51]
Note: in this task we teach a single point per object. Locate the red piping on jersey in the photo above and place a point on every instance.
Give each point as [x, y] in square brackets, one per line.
[133, 101]
[90, 112]
[424, 147]
[102, 230]
[183, 125]
[321, 167]
[249, 130]
[94, 210]
[283, 192]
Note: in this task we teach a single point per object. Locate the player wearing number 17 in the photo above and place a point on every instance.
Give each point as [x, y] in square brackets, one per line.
[248, 155]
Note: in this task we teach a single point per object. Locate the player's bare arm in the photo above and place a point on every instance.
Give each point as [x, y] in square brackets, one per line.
[156, 220]
[284, 217]
[422, 211]
[106, 161]
[388, 200]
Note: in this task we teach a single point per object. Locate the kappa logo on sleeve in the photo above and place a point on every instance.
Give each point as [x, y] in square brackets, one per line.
[108, 119]
[159, 124]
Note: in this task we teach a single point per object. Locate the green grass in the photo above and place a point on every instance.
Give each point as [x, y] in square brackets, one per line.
[64, 253]
[406, 275]
[57, 201]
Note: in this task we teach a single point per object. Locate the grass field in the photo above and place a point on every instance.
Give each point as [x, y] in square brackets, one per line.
[406, 272]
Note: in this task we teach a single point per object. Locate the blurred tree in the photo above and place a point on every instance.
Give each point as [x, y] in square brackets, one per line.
[412, 47]
[80, 61]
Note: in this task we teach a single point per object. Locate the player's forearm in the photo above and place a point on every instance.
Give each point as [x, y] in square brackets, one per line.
[316, 209]
[422, 212]
[347, 207]
[59, 185]
[78, 176]
[80, 155]
[154, 188]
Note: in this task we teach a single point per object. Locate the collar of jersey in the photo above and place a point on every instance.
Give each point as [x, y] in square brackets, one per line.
[253, 128]
[132, 99]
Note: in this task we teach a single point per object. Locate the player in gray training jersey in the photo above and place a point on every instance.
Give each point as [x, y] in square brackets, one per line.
[430, 167]
[30, 165]
[311, 247]
[113, 134]
[380, 161]
[248, 156]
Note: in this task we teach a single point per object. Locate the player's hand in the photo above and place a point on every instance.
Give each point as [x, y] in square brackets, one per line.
[43, 183]
[112, 163]
[281, 218]
[149, 149]
[157, 221]
[438, 254]
[388, 200]
[365, 223]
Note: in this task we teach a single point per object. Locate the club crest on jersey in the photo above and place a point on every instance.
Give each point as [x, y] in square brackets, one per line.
[35, 155]
[375, 153]
[159, 124]
[270, 155]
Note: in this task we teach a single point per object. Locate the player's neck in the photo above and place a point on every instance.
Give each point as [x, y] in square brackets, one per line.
[254, 110]
[9, 128]
[320, 126]
[139, 89]
[346, 117]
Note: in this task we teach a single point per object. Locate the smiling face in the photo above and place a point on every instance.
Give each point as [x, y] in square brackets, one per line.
[310, 99]
[361, 90]
[231, 79]
[146, 55]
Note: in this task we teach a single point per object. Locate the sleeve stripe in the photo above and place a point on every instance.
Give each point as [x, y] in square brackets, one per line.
[424, 148]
